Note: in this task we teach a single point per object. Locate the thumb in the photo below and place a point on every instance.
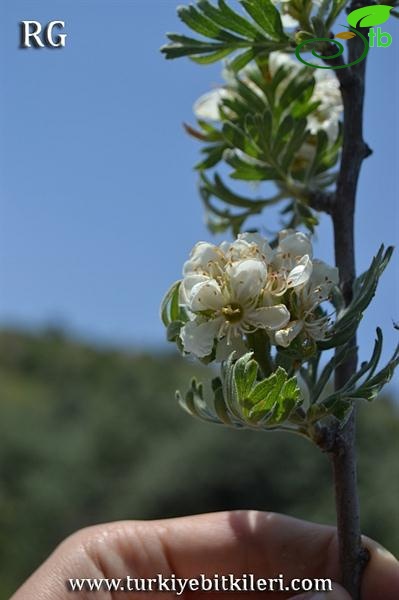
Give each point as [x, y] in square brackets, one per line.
[337, 593]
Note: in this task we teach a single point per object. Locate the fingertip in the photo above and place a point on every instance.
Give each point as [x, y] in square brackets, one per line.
[381, 576]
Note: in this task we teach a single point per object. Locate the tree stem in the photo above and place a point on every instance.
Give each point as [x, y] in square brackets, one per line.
[351, 554]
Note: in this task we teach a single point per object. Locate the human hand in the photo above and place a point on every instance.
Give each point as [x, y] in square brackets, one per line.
[265, 544]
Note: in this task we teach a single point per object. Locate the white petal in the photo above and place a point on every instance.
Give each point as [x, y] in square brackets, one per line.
[187, 285]
[285, 336]
[283, 233]
[288, 21]
[260, 242]
[331, 127]
[269, 317]
[327, 90]
[224, 246]
[296, 244]
[301, 273]
[207, 106]
[247, 279]
[239, 250]
[206, 295]
[322, 273]
[329, 122]
[198, 337]
[201, 257]
[324, 278]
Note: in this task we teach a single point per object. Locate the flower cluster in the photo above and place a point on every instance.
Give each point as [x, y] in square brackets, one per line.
[326, 116]
[235, 289]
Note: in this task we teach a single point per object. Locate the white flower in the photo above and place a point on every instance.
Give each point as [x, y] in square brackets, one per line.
[223, 293]
[234, 289]
[315, 325]
[291, 266]
[207, 106]
[328, 113]
[229, 307]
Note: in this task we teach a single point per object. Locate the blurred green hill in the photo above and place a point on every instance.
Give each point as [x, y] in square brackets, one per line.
[89, 435]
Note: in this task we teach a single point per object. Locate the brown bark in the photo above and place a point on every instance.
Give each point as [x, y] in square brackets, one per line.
[343, 452]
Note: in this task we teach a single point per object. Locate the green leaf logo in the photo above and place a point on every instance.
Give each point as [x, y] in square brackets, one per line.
[368, 16]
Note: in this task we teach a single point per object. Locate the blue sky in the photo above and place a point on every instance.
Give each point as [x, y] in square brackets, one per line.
[98, 205]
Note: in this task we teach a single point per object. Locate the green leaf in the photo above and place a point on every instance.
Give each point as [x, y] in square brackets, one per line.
[319, 27]
[299, 136]
[336, 8]
[368, 367]
[230, 31]
[294, 90]
[241, 60]
[286, 126]
[198, 22]
[252, 99]
[274, 397]
[184, 46]
[170, 310]
[241, 402]
[363, 292]
[211, 57]
[220, 190]
[245, 373]
[221, 408]
[228, 18]
[369, 16]
[266, 15]
[193, 402]
[173, 330]
[339, 403]
[281, 73]
[237, 139]
[247, 172]
[340, 356]
[214, 154]
[323, 9]
[370, 389]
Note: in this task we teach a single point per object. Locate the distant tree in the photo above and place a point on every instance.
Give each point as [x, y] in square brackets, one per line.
[76, 450]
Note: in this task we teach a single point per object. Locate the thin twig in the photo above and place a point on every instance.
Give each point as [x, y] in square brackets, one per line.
[352, 556]
[322, 201]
